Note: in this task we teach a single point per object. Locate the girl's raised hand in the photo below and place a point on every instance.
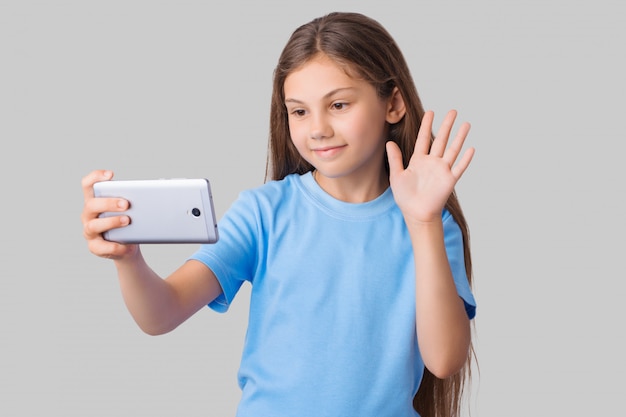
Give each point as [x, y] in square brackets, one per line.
[94, 226]
[422, 189]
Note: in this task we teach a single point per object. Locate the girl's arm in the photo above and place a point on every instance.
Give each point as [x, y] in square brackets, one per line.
[421, 191]
[157, 305]
[160, 305]
[441, 320]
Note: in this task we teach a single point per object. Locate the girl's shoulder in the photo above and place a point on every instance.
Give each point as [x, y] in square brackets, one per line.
[272, 187]
[272, 192]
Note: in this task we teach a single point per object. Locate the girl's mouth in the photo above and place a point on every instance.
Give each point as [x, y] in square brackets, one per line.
[327, 152]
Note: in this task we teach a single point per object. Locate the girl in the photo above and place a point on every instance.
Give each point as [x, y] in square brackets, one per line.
[356, 247]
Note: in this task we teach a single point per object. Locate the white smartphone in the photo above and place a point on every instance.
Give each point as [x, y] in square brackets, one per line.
[162, 211]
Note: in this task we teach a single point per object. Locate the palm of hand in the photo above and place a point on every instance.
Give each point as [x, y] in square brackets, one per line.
[422, 189]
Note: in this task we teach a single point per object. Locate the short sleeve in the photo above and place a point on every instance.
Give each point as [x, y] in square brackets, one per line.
[233, 257]
[453, 239]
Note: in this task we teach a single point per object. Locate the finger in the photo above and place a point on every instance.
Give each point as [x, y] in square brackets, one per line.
[441, 139]
[94, 228]
[110, 250]
[93, 207]
[394, 157]
[455, 147]
[461, 166]
[422, 144]
[90, 179]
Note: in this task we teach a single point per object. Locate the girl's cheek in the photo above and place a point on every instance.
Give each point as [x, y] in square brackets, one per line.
[296, 132]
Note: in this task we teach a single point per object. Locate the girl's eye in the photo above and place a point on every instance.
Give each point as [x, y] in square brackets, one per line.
[298, 112]
[339, 106]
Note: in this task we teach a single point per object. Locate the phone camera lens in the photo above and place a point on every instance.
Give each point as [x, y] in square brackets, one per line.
[195, 212]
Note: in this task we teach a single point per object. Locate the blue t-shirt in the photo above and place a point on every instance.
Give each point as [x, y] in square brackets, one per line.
[331, 329]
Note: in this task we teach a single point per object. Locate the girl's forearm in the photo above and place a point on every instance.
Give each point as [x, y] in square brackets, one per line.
[442, 323]
[149, 299]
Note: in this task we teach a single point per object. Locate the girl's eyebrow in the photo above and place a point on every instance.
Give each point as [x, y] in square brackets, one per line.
[327, 95]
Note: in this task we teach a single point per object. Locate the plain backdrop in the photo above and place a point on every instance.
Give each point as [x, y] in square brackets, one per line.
[154, 89]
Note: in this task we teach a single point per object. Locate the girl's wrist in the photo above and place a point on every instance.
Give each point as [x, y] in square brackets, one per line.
[423, 221]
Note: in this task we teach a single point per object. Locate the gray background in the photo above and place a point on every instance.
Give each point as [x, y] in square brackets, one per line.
[156, 89]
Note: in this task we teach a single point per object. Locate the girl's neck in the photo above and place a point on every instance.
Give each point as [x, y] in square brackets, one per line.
[353, 190]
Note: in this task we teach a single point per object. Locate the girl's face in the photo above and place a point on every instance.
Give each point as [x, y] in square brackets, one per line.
[337, 123]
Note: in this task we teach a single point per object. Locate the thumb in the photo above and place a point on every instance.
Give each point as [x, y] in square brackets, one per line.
[394, 156]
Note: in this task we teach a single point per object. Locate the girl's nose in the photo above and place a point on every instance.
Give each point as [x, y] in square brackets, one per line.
[320, 128]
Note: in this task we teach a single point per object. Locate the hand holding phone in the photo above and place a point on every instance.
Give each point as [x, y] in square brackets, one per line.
[162, 211]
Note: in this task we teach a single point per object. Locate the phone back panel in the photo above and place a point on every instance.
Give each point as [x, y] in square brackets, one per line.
[163, 211]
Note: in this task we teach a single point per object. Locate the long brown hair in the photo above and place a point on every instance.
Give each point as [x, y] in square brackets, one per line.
[361, 45]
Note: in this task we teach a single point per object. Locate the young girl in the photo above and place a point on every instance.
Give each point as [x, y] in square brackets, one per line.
[356, 246]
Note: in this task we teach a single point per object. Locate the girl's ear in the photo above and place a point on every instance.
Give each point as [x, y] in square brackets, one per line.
[395, 107]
